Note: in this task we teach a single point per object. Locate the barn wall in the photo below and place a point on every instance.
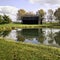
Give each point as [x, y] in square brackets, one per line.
[30, 20]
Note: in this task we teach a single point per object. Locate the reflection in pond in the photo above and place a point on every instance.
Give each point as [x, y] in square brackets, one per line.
[41, 36]
[4, 33]
[57, 37]
[51, 36]
[19, 36]
[38, 36]
[30, 32]
[28, 35]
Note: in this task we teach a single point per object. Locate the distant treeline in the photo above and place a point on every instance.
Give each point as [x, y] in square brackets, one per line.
[41, 13]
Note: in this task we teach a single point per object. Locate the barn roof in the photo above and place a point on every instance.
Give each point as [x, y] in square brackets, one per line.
[30, 17]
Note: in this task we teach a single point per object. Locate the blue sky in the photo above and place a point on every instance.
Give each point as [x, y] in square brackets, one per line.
[31, 5]
[20, 4]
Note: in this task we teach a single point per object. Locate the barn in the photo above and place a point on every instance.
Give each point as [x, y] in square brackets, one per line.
[30, 20]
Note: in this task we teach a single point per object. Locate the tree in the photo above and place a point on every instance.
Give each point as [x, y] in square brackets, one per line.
[41, 14]
[21, 13]
[57, 14]
[6, 19]
[31, 13]
[50, 15]
[1, 19]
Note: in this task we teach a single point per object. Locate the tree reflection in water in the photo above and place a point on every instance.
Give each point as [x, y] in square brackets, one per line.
[57, 37]
[43, 36]
[51, 36]
[19, 36]
[31, 35]
[4, 33]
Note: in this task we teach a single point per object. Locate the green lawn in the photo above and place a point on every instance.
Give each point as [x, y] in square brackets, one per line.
[13, 26]
[20, 51]
[10, 50]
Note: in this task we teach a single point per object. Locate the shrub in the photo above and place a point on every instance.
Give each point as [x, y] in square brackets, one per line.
[6, 19]
[1, 19]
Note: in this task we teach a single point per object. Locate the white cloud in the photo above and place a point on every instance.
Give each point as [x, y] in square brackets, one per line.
[38, 1]
[46, 4]
[10, 11]
[53, 2]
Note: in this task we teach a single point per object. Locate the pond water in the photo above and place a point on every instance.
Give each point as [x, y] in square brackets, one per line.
[47, 36]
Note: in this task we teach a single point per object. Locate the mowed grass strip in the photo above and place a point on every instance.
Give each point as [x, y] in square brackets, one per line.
[25, 26]
[21, 51]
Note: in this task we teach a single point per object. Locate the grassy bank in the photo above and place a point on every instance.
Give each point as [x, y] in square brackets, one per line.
[20, 51]
[14, 26]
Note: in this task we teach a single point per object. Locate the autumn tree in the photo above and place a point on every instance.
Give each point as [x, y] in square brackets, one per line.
[57, 14]
[31, 13]
[21, 13]
[50, 15]
[41, 14]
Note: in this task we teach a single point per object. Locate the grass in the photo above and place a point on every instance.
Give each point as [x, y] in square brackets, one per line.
[10, 50]
[21, 51]
[14, 26]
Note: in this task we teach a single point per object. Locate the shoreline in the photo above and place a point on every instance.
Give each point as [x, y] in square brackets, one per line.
[26, 26]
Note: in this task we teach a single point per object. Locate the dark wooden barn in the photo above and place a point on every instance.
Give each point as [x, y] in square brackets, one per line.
[30, 20]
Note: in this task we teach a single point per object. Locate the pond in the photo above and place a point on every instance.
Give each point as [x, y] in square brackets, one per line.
[47, 36]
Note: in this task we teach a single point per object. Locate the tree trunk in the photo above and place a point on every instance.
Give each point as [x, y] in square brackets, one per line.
[59, 21]
[41, 21]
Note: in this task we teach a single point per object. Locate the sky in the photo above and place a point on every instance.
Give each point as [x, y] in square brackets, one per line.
[31, 5]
